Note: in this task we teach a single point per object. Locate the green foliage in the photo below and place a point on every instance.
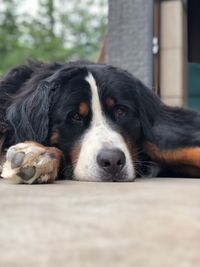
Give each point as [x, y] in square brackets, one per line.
[60, 31]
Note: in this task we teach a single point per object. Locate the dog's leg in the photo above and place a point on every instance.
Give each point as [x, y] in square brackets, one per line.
[184, 160]
[31, 162]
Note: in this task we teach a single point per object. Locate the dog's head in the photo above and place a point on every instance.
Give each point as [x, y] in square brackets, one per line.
[97, 115]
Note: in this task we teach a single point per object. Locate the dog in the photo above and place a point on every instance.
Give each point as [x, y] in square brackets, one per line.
[91, 122]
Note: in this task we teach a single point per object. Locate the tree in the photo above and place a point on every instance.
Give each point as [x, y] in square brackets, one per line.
[86, 27]
[59, 32]
[10, 46]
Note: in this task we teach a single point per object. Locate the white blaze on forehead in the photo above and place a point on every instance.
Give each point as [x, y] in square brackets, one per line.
[96, 106]
[99, 135]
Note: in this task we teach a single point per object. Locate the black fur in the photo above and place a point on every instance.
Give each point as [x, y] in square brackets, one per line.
[37, 99]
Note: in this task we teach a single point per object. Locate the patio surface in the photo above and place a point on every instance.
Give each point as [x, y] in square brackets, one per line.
[151, 222]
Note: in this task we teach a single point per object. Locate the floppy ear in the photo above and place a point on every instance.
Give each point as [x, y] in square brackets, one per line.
[29, 115]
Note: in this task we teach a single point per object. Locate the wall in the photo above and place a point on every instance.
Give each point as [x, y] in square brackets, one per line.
[173, 53]
[129, 42]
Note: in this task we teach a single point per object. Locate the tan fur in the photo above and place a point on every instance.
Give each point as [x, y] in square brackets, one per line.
[83, 109]
[110, 102]
[190, 155]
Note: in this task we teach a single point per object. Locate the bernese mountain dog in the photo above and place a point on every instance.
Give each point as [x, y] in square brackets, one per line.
[91, 122]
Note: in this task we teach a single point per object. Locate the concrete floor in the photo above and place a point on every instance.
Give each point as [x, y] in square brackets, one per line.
[151, 222]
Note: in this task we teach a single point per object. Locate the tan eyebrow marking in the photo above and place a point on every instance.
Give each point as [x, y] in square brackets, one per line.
[83, 109]
[110, 102]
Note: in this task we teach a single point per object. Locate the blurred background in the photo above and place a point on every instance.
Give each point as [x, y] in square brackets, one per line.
[53, 30]
[158, 41]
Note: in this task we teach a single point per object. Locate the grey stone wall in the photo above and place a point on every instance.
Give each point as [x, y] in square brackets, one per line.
[129, 42]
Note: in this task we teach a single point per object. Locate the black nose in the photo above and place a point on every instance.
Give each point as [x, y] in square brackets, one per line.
[111, 160]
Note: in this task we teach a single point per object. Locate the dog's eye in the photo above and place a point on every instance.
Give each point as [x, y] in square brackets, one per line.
[76, 118]
[120, 112]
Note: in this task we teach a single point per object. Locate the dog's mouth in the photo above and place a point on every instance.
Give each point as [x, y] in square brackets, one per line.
[121, 177]
[106, 165]
[102, 157]
[103, 178]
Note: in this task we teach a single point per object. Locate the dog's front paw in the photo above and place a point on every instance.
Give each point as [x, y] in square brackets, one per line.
[31, 162]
